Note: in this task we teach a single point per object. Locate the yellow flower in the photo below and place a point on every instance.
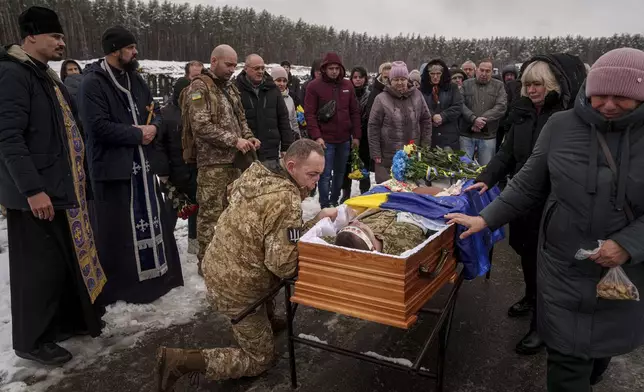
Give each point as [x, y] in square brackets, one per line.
[355, 175]
[409, 149]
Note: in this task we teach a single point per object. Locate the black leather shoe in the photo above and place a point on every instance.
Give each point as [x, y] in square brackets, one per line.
[49, 354]
[530, 344]
[521, 308]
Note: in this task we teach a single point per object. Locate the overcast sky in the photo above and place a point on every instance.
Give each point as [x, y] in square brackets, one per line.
[461, 18]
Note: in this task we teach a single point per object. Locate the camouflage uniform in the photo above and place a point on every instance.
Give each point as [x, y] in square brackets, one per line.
[217, 123]
[254, 245]
[396, 237]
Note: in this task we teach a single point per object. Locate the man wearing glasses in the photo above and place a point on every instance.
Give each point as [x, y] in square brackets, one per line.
[265, 110]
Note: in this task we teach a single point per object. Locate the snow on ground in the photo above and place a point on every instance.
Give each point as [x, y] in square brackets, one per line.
[126, 323]
[176, 68]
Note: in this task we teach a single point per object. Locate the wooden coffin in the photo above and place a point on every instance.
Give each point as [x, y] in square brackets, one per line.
[376, 287]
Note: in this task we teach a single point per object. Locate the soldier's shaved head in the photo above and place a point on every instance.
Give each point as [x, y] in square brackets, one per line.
[304, 161]
[224, 51]
[223, 62]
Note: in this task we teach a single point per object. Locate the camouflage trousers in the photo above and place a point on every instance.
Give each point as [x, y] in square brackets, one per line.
[256, 351]
[212, 183]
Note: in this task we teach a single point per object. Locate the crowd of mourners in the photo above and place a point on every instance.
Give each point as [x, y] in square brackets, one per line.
[93, 175]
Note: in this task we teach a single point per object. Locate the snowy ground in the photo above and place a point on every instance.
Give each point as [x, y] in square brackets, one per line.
[127, 324]
[176, 68]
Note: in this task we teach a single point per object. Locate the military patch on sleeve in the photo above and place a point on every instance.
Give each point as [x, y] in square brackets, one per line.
[293, 234]
[196, 96]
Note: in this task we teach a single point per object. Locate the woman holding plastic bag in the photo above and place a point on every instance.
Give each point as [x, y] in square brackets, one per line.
[550, 84]
[586, 167]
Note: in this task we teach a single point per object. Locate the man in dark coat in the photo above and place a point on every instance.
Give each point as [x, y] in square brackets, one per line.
[44, 186]
[265, 110]
[175, 171]
[444, 101]
[586, 168]
[133, 235]
[293, 81]
[333, 119]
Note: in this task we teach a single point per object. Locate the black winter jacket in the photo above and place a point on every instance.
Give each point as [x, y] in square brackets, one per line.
[583, 203]
[34, 155]
[267, 116]
[107, 121]
[449, 106]
[169, 141]
[525, 126]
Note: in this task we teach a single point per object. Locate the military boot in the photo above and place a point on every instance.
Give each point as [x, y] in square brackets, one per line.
[174, 363]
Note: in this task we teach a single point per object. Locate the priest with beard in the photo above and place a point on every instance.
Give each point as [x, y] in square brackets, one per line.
[135, 242]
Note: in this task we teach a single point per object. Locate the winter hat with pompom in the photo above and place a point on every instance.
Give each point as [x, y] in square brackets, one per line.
[619, 72]
[398, 70]
[279, 72]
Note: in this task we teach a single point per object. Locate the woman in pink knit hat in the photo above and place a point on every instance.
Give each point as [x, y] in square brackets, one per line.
[398, 115]
[587, 169]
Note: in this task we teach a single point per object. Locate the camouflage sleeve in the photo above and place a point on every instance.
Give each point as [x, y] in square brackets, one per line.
[201, 118]
[283, 230]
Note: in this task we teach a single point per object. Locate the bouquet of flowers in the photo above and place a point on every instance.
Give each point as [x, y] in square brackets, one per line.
[181, 202]
[414, 163]
[358, 170]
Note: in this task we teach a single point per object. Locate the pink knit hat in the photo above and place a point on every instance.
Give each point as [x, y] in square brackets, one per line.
[619, 72]
[279, 72]
[398, 70]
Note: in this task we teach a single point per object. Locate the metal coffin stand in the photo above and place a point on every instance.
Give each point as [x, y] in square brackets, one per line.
[440, 332]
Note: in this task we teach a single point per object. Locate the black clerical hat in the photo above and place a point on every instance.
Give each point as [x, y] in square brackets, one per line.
[39, 20]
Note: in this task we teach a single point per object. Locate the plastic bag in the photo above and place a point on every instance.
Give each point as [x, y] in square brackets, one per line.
[615, 285]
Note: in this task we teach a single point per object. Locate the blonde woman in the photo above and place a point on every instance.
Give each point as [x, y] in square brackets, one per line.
[549, 85]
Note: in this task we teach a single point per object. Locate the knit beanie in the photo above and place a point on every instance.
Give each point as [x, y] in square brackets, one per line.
[39, 20]
[279, 72]
[619, 72]
[414, 76]
[116, 38]
[398, 70]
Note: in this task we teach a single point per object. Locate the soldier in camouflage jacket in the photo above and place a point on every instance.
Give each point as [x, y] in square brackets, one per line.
[253, 247]
[219, 131]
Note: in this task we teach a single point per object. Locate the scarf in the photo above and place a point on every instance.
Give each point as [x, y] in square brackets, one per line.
[78, 218]
[145, 209]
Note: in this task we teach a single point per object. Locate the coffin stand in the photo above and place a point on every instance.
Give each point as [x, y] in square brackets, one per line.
[372, 286]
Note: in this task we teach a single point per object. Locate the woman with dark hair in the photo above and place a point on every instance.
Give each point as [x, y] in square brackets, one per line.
[360, 80]
[69, 67]
[445, 102]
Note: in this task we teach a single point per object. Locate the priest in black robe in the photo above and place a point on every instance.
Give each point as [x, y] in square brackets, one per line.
[55, 272]
[135, 242]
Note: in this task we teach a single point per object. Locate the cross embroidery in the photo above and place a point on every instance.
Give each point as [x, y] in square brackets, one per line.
[155, 222]
[147, 166]
[142, 225]
[135, 168]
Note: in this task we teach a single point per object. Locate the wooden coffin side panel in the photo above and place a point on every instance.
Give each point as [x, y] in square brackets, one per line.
[371, 286]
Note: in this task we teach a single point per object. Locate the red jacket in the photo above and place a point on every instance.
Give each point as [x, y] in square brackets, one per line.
[346, 122]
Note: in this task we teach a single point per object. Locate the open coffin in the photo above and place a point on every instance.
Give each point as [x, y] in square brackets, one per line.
[374, 286]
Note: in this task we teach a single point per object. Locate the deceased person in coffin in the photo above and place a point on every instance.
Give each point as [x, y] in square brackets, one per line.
[383, 231]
